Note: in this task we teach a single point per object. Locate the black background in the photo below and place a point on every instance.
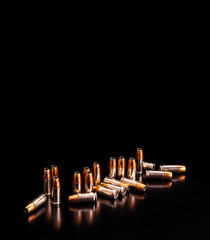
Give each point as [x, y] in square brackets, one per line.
[82, 101]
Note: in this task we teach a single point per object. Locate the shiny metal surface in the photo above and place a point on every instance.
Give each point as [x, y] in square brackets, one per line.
[38, 201]
[158, 174]
[121, 190]
[56, 196]
[47, 186]
[106, 191]
[148, 166]
[77, 187]
[116, 182]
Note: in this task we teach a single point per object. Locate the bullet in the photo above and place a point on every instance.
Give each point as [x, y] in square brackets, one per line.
[121, 167]
[121, 190]
[134, 184]
[116, 183]
[131, 170]
[85, 170]
[96, 173]
[173, 168]
[112, 167]
[148, 166]
[158, 174]
[54, 171]
[106, 191]
[35, 203]
[77, 182]
[139, 160]
[56, 194]
[47, 181]
[88, 182]
[83, 197]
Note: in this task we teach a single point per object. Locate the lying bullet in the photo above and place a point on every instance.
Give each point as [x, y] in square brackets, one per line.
[121, 190]
[77, 182]
[83, 197]
[131, 170]
[112, 167]
[134, 184]
[47, 181]
[121, 167]
[139, 160]
[116, 183]
[148, 166]
[96, 173]
[56, 193]
[35, 203]
[54, 171]
[88, 182]
[106, 191]
[158, 174]
[173, 168]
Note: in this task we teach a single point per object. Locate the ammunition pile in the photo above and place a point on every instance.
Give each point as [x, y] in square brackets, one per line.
[87, 186]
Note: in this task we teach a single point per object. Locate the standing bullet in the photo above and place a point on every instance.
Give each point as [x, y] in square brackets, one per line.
[148, 166]
[121, 167]
[47, 181]
[116, 183]
[158, 174]
[96, 173]
[134, 184]
[85, 170]
[56, 193]
[139, 159]
[131, 170]
[35, 203]
[106, 191]
[173, 168]
[77, 182]
[54, 171]
[88, 182]
[121, 190]
[83, 197]
[112, 167]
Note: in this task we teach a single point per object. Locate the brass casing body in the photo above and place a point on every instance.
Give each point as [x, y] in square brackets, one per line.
[173, 168]
[56, 194]
[121, 190]
[35, 203]
[88, 182]
[131, 170]
[148, 166]
[83, 197]
[116, 183]
[121, 167]
[47, 181]
[96, 173]
[112, 167]
[158, 175]
[77, 182]
[134, 184]
[139, 160]
[106, 191]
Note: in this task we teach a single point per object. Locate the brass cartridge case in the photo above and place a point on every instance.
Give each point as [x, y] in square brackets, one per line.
[56, 192]
[139, 160]
[83, 197]
[88, 182]
[134, 184]
[121, 167]
[106, 191]
[121, 190]
[158, 175]
[96, 173]
[47, 181]
[148, 166]
[173, 168]
[116, 183]
[35, 203]
[54, 171]
[131, 170]
[112, 167]
[77, 182]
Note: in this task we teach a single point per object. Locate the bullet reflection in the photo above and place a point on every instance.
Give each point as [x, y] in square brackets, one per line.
[152, 184]
[178, 178]
[56, 217]
[135, 198]
[109, 202]
[139, 177]
[33, 216]
[48, 211]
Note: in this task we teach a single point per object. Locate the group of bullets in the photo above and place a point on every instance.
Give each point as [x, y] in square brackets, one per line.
[85, 187]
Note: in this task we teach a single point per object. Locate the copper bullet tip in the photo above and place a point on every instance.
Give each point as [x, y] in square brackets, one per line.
[96, 168]
[112, 162]
[77, 177]
[139, 153]
[29, 208]
[55, 182]
[167, 175]
[89, 177]
[181, 168]
[46, 173]
[121, 162]
[131, 163]
[54, 171]
[96, 188]
[85, 170]
[73, 198]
